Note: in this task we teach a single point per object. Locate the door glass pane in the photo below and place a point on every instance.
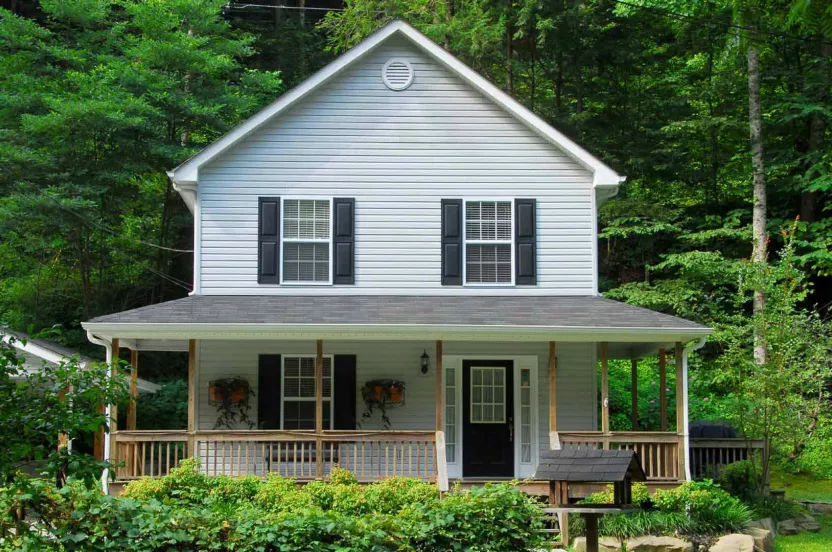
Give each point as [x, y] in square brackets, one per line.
[488, 395]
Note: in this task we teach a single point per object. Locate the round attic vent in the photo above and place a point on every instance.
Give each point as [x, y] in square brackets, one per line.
[397, 74]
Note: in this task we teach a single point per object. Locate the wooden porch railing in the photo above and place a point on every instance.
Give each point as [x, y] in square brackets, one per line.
[659, 452]
[709, 456]
[303, 455]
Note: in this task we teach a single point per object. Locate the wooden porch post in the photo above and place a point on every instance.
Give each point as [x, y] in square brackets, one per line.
[680, 412]
[554, 440]
[134, 390]
[319, 409]
[605, 392]
[63, 439]
[440, 389]
[663, 389]
[191, 397]
[634, 393]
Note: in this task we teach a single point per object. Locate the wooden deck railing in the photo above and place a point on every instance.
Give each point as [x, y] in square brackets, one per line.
[709, 456]
[303, 455]
[659, 452]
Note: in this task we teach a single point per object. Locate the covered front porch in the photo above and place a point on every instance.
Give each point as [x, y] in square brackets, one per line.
[489, 400]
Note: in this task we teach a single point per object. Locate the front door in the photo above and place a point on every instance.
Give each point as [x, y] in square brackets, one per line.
[487, 418]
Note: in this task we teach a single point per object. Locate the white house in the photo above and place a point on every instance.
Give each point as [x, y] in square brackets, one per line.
[397, 217]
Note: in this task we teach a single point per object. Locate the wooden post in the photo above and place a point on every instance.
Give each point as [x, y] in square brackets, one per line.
[191, 397]
[663, 389]
[591, 523]
[680, 412]
[554, 441]
[634, 393]
[134, 390]
[319, 409]
[440, 389]
[63, 439]
[605, 391]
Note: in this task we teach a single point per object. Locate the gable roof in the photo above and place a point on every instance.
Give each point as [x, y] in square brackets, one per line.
[589, 466]
[185, 175]
[53, 353]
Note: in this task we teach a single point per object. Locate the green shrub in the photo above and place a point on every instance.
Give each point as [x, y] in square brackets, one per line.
[695, 507]
[778, 509]
[711, 510]
[188, 511]
[738, 480]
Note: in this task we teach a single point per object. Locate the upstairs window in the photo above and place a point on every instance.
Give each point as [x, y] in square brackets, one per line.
[488, 242]
[307, 241]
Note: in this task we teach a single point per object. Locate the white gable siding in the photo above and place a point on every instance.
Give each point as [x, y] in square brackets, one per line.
[397, 154]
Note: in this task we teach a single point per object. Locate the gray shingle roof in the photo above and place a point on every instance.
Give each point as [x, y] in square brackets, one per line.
[588, 466]
[526, 311]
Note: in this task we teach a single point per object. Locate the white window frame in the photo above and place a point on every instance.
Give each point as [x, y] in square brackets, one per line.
[329, 398]
[329, 241]
[466, 241]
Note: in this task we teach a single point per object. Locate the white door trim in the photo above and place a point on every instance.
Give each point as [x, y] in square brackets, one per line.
[530, 362]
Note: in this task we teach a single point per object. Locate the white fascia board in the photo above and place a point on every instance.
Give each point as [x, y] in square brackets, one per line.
[186, 175]
[395, 332]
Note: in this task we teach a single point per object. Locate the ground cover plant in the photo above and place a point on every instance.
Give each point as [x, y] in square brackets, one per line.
[696, 508]
[189, 511]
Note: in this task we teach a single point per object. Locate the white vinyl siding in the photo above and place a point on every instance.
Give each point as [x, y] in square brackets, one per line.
[398, 154]
[577, 397]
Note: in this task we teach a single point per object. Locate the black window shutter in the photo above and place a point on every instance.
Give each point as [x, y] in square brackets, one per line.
[268, 254]
[343, 393]
[525, 241]
[343, 265]
[451, 242]
[268, 392]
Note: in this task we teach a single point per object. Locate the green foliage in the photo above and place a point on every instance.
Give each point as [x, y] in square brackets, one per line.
[777, 509]
[694, 508]
[189, 511]
[167, 408]
[738, 480]
[36, 407]
[711, 509]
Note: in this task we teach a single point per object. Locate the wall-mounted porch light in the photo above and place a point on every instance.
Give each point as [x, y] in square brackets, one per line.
[424, 362]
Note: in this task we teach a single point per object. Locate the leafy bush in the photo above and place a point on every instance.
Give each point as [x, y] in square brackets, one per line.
[189, 511]
[777, 509]
[738, 480]
[700, 508]
[712, 511]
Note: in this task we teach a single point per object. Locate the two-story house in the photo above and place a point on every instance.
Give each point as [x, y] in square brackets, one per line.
[396, 238]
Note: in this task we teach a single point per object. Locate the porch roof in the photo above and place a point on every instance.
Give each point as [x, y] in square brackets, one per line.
[508, 318]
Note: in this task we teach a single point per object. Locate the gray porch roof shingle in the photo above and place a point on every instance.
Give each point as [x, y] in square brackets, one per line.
[561, 312]
[631, 331]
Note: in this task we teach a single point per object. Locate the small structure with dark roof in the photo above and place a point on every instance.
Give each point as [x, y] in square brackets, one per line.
[562, 467]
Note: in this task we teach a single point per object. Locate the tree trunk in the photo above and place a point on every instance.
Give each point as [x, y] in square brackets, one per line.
[755, 122]
[509, 50]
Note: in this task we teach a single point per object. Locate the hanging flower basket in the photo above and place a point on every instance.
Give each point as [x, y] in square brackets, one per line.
[385, 393]
[231, 397]
[228, 391]
[382, 394]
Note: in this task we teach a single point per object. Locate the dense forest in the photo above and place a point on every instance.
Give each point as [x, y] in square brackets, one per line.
[717, 111]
